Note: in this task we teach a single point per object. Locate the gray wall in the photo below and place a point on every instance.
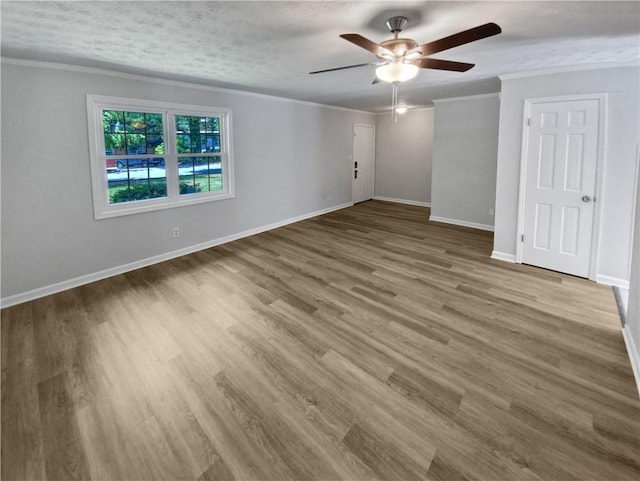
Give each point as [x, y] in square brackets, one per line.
[403, 156]
[464, 159]
[633, 310]
[288, 155]
[622, 85]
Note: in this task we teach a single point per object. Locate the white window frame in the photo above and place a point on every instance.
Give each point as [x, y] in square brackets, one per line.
[101, 207]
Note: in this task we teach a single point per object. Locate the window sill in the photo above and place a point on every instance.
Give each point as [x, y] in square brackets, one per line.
[157, 204]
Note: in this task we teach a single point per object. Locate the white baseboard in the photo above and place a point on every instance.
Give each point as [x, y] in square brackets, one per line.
[612, 281]
[113, 271]
[402, 201]
[462, 223]
[501, 256]
[632, 350]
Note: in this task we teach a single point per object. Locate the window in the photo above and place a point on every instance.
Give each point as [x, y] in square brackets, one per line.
[153, 155]
[198, 135]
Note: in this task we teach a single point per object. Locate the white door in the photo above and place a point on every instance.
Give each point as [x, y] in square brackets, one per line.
[561, 160]
[363, 162]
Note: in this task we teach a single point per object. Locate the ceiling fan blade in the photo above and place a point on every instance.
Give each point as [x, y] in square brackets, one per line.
[460, 38]
[340, 68]
[443, 64]
[367, 44]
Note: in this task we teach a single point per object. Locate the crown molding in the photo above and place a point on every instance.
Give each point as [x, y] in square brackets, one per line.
[567, 69]
[164, 81]
[467, 97]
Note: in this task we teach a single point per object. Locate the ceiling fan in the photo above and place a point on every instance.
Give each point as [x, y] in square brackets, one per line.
[401, 58]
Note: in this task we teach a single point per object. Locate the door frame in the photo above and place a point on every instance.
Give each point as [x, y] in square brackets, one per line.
[600, 172]
[373, 164]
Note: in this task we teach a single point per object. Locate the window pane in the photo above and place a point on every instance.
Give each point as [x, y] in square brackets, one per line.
[196, 143]
[185, 163]
[137, 164]
[154, 123]
[195, 134]
[183, 144]
[136, 179]
[132, 133]
[185, 171]
[111, 165]
[212, 143]
[212, 124]
[136, 144]
[115, 144]
[135, 122]
[155, 144]
[199, 174]
[182, 124]
[113, 121]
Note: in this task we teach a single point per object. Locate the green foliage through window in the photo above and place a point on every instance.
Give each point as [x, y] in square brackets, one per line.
[186, 188]
[128, 191]
[196, 134]
[132, 133]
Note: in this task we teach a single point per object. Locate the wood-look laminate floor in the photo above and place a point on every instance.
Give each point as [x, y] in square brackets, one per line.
[367, 343]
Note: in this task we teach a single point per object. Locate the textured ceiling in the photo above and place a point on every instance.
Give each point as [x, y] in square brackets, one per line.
[269, 47]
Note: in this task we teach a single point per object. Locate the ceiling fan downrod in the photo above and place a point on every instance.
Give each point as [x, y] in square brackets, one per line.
[396, 25]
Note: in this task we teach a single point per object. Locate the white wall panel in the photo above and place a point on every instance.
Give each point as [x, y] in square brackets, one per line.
[464, 159]
[403, 156]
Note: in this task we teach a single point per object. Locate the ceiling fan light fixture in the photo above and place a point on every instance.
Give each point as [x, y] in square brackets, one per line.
[396, 72]
[401, 110]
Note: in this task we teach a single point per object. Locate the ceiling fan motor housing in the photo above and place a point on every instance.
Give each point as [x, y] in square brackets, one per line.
[399, 46]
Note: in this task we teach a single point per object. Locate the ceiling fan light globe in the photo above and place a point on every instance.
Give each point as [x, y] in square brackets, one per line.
[401, 110]
[396, 72]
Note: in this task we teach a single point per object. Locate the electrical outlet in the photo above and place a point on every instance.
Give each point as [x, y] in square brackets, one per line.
[176, 232]
[491, 212]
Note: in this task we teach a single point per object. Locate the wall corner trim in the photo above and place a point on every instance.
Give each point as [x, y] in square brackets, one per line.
[634, 358]
[402, 201]
[502, 256]
[114, 271]
[462, 223]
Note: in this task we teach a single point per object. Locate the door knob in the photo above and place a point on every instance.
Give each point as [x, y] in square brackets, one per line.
[586, 198]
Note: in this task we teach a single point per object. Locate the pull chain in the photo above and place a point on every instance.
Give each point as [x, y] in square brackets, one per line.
[394, 101]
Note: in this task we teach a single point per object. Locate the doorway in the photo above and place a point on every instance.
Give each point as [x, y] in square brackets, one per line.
[363, 162]
[563, 145]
